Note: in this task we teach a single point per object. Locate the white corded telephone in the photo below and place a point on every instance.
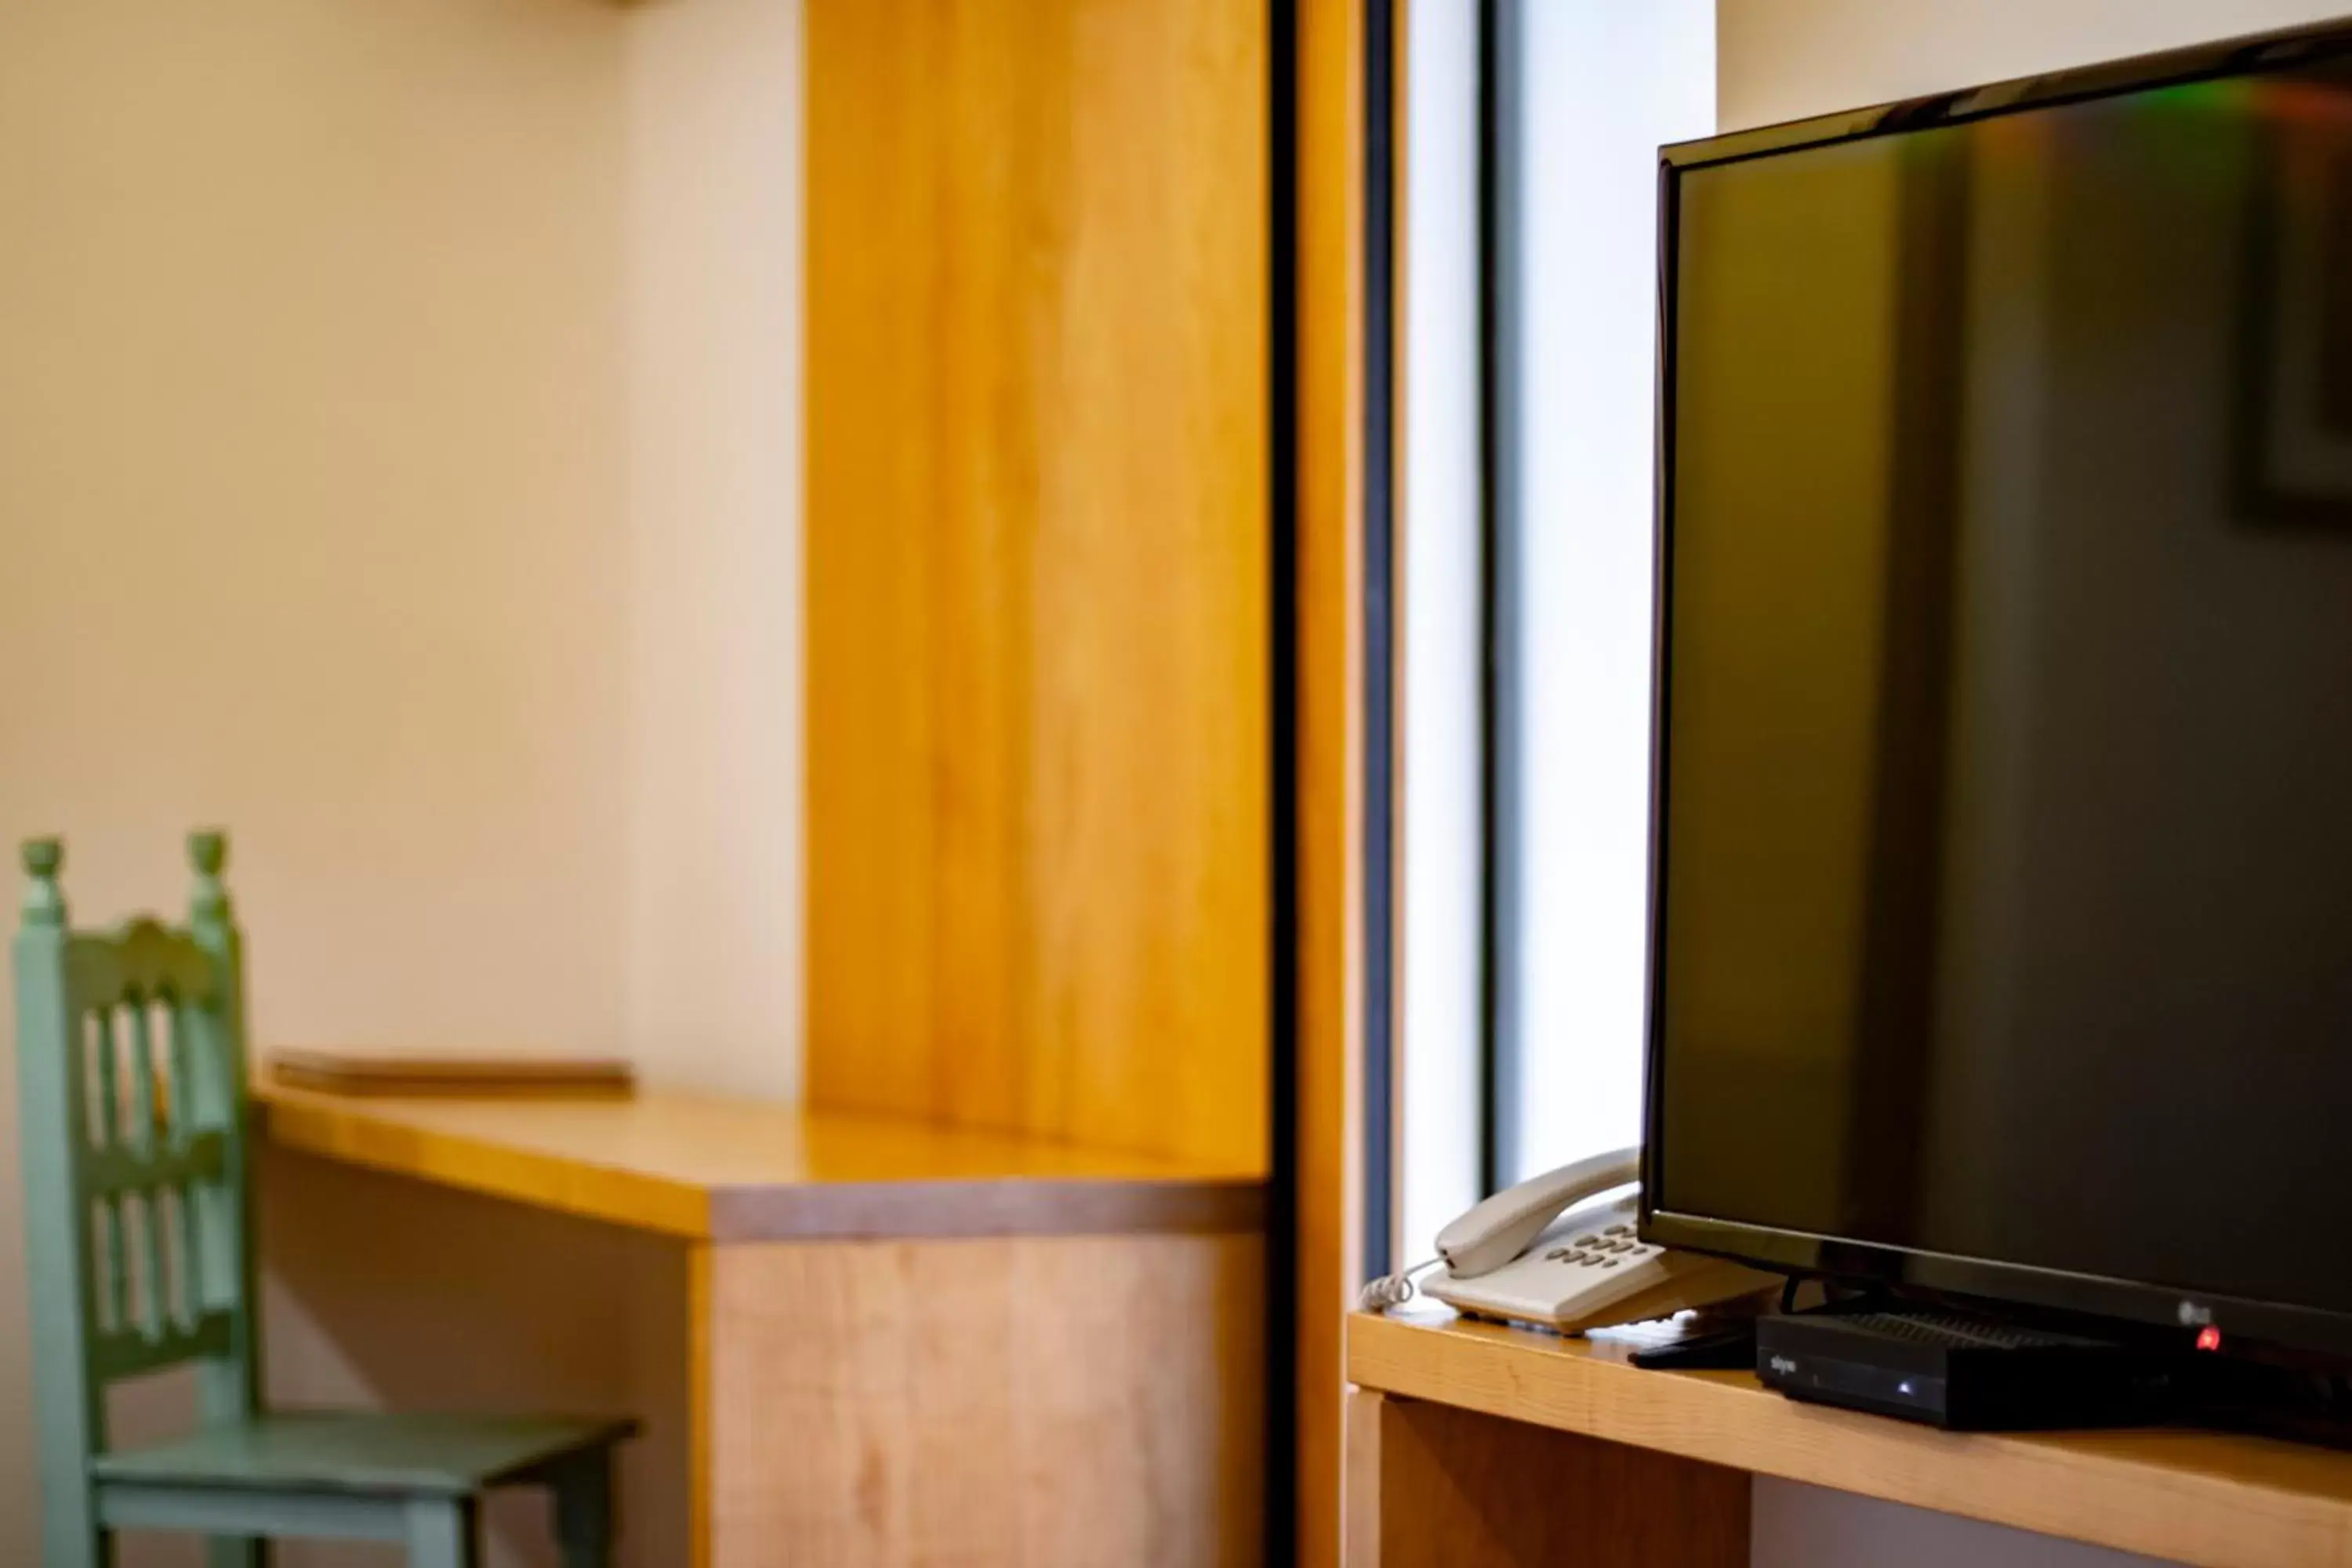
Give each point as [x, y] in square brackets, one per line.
[1532, 1255]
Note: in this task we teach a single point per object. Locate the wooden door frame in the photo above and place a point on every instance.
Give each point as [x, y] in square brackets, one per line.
[1338, 508]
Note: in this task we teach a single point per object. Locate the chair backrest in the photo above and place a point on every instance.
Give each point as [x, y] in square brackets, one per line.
[132, 1118]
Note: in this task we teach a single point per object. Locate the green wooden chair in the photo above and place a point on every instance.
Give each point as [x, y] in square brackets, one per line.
[131, 1050]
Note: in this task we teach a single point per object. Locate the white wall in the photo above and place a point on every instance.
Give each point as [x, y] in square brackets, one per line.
[1782, 60]
[399, 436]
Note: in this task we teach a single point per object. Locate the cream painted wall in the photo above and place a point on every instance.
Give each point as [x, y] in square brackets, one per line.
[713, 178]
[399, 464]
[1782, 60]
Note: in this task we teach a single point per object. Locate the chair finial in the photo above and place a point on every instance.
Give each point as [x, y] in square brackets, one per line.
[207, 853]
[44, 905]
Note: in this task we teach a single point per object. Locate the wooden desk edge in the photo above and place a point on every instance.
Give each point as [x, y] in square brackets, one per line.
[921, 1207]
[2192, 1497]
[349, 1135]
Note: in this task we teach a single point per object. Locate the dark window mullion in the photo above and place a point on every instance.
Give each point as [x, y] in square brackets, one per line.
[1499, 1044]
[1379, 633]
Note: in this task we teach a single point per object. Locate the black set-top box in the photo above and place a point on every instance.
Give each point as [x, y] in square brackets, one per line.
[1966, 1373]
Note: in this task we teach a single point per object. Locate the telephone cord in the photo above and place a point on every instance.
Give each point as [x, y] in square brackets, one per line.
[1392, 1289]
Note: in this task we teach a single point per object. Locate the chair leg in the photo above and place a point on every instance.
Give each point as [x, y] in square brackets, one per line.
[236, 1552]
[441, 1534]
[583, 1510]
[77, 1548]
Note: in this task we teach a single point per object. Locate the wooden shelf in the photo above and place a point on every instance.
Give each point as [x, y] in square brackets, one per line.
[2190, 1497]
[734, 1171]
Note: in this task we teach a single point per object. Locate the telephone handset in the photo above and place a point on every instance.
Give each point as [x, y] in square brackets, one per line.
[1543, 1252]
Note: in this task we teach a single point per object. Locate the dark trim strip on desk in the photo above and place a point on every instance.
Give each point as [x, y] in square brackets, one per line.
[938, 1210]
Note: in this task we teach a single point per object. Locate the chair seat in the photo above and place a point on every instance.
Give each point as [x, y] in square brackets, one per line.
[398, 1455]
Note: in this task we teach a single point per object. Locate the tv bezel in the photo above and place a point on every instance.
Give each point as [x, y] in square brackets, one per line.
[2295, 1327]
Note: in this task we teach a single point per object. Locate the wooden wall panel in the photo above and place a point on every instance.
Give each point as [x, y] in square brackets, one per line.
[1037, 567]
[1064, 1402]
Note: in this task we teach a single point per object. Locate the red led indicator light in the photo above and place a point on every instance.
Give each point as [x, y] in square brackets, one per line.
[2209, 1338]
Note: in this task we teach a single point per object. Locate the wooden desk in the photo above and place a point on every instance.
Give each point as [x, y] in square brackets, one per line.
[1500, 1446]
[860, 1341]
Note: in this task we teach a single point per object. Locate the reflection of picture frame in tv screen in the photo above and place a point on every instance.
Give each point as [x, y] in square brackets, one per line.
[2292, 456]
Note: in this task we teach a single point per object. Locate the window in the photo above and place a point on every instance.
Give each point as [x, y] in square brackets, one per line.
[1439, 628]
[1526, 330]
[1588, 91]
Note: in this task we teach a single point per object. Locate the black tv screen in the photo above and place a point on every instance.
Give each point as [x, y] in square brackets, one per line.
[2002, 883]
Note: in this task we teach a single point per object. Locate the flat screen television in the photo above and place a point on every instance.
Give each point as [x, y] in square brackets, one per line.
[2002, 869]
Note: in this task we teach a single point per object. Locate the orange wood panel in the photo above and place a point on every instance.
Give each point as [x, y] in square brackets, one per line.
[1078, 1401]
[1037, 567]
[1360, 1500]
[1331, 196]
